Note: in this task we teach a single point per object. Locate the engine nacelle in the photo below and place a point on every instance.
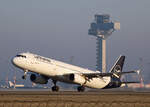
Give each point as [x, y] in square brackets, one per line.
[38, 79]
[77, 78]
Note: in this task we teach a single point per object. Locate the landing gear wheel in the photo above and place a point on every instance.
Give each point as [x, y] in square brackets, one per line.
[55, 88]
[23, 77]
[81, 89]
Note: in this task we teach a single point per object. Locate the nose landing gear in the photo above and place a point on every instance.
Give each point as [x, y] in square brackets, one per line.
[55, 88]
[25, 74]
[24, 77]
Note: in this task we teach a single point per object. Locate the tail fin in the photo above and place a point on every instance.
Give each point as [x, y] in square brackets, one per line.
[118, 66]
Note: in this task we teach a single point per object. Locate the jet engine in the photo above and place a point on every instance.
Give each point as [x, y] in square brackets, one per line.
[38, 79]
[77, 78]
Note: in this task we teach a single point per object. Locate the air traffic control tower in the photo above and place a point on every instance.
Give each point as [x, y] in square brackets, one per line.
[101, 28]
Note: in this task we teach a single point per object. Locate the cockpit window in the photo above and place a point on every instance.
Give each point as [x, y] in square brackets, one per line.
[21, 56]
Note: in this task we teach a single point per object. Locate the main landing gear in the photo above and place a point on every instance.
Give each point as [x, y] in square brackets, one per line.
[81, 89]
[55, 87]
[25, 74]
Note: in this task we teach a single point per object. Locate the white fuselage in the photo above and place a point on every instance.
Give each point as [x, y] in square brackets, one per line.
[57, 69]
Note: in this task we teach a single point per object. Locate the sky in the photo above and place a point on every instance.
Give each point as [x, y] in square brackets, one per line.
[59, 29]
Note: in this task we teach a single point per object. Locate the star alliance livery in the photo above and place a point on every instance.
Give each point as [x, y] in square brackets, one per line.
[42, 69]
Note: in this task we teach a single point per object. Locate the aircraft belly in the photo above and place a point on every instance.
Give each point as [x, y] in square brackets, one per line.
[98, 82]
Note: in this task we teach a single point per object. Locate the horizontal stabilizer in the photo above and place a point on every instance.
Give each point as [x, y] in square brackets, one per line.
[130, 82]
[128, 72]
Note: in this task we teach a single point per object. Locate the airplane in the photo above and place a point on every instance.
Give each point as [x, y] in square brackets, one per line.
[42, 69]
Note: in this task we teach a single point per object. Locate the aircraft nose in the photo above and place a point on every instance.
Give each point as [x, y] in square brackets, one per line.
[13, 61]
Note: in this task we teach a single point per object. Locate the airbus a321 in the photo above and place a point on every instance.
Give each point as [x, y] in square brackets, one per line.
[42, 69]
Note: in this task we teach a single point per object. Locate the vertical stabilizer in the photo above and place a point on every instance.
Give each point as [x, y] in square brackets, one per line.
[118, 66]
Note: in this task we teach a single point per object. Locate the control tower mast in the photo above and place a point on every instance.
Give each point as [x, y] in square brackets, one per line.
[101, 28]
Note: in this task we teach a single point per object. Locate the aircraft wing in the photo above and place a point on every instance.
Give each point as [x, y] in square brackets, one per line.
[94, 75]
[101, 74]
